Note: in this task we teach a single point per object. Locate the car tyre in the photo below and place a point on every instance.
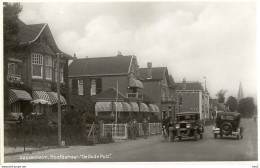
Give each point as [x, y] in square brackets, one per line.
[226, 128]
[201, 136]
[195, 135]
[215, 136]
[180, 138]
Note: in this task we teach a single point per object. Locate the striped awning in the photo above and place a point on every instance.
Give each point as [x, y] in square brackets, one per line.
[40, 95]
[15, 95]
[134, 106]
[116, 105]
[135, 83]
[102, 106]
[54, 98]
[144, 107]
[126, 107]
[153, 108]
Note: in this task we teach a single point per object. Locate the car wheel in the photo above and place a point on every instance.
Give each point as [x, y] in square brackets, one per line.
[226, 128]
[238, 137]
[180, 138]
[201, 136]
[195, 135]
[215, 136]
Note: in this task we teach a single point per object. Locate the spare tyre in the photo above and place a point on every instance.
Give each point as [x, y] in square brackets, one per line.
[226, 128]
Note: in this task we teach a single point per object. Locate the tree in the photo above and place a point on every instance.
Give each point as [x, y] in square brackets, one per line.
[232, 103]
[10, 17]
[246, 107]
[221, 96]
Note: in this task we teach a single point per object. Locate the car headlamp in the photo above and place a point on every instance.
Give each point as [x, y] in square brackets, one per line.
[188, 125]
[177, 126]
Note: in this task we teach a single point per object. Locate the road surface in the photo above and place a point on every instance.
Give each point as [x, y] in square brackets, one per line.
[153, 149]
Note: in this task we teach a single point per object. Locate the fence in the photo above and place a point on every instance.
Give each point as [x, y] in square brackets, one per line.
[119, 131]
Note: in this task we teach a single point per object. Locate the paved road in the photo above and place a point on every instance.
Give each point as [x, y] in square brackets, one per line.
[153, 149]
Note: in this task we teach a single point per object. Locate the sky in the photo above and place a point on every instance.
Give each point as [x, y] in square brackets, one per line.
[217, 40]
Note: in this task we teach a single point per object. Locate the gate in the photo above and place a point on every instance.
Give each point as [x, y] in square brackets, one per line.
[118, 131]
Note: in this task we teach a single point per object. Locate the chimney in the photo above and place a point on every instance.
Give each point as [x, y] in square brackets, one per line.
[149, 70]
[119, 54]
[74, 57]
[184, 84]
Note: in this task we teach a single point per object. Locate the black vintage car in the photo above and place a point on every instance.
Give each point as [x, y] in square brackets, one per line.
[228, 124]
[187, 124]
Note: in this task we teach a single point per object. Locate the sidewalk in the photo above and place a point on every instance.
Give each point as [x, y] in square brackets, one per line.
[8, 151]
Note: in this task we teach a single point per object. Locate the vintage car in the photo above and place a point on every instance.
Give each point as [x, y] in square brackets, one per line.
[187, 124]
[228, 124]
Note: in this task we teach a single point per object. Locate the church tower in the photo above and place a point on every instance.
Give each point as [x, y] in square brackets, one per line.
[240, 94]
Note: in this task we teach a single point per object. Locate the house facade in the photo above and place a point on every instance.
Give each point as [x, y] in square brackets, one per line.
[117, 76]
[33, 70]
[159, 85]
[193, 97]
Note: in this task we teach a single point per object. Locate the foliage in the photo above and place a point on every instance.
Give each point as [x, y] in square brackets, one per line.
[246, 107]
[232, 103]
[221, 96]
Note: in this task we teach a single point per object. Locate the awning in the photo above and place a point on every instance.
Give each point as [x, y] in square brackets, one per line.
[135, 83]
[54, 98]
[144, 107]
[116, 105]
[134, 106]
[40, 95]
[153, 108]
[15, 95]
[126, 106]
[40, 101]
[102, 106]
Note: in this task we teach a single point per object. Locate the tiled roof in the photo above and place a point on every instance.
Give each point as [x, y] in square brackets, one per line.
[100, 66]
[190, 86]
[157, 73]
[109, 94]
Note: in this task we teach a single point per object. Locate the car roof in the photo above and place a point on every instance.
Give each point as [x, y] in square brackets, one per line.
[189, 112]
[228, 113]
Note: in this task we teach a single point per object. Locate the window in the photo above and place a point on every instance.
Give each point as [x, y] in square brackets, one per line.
[37, 63]
[80, 87]
[14, 69]
[93, 87]
[48, 67]
[61, 71]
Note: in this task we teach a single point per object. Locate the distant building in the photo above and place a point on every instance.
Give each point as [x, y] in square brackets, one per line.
[192, 97]
[159, 85]
[240, 94]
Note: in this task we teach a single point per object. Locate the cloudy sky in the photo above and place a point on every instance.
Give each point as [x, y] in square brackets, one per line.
[193, 39]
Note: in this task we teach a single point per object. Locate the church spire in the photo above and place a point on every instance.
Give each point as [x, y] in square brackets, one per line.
[240, 94]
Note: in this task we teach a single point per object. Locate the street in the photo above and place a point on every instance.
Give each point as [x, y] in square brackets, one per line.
[153, 149]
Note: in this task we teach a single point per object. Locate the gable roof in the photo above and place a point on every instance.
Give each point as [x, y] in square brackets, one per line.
[157, 73]
[100, 66]
[28, 34]
[109, 94]
[190, 86]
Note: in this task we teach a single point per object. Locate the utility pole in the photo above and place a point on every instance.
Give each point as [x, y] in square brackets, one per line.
[59, 106]
[116, 98]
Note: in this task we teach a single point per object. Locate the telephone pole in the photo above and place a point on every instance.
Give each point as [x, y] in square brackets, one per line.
[58, 93]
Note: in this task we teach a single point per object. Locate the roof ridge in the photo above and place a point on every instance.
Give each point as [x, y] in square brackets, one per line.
[105, 57]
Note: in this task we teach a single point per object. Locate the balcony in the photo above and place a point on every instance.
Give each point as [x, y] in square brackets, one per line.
[167, 99]
[134, 96]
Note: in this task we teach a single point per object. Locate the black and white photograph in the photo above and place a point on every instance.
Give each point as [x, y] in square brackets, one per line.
[130, 81]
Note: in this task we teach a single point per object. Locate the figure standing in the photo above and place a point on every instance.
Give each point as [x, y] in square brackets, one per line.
[145, 126]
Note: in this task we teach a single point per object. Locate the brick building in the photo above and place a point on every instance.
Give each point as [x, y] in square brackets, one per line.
[159, 85]
[192, 97]
[100, 82]
[32, 72]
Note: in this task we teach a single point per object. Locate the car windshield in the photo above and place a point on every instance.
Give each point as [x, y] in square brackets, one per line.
[186, 117]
